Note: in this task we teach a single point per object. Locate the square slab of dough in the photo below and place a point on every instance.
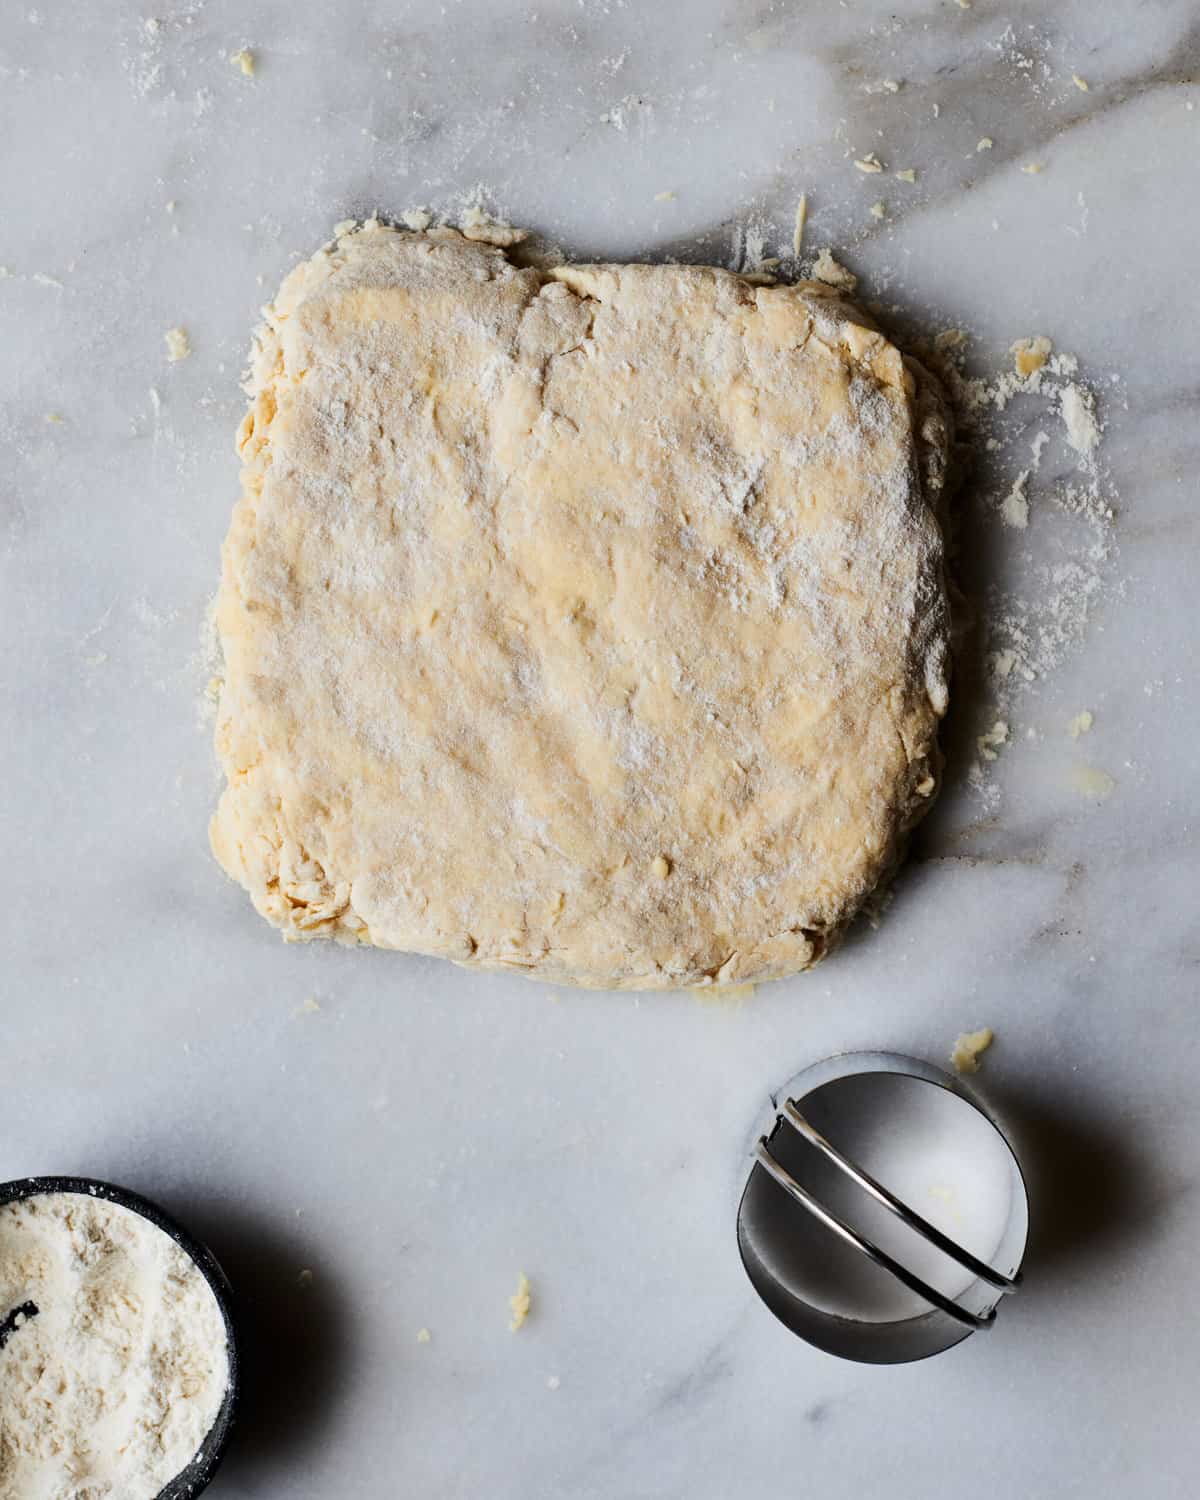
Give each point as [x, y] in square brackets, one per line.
[586, 622]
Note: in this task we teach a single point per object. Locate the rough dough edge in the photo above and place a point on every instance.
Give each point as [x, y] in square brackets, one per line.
[933, 444]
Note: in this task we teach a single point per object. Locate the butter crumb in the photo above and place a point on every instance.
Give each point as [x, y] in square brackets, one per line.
[245, 60]
[179, 346]
[984, 143]
[1032, 168]
[661, 867]
[1080, 83]
[907, 174]
[423, 1335]
[801, 220]
[1031, 354]
[833, 273]
[310, 1007]
[879, 210]
[666, 196]
[869, 163]
[968, 1049]
[55, 418]
[1080, 724]
[305, 1278]
[519, 1303]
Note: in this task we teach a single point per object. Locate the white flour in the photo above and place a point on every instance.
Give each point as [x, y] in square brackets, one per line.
[111, 1389]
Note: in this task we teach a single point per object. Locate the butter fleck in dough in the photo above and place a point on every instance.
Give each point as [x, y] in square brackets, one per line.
[587, 622]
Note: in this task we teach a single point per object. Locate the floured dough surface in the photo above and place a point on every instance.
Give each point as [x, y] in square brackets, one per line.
[588, 622]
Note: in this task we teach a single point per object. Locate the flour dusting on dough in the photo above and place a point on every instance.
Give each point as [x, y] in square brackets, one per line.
[466, 706]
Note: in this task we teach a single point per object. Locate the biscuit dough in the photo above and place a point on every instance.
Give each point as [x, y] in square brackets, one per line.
[588, 622]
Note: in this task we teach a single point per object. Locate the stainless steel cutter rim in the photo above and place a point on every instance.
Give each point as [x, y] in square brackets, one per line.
[832, 1069]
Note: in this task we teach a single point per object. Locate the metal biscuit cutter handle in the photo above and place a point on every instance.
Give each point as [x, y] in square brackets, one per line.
[906, 1215]
[889, 1340]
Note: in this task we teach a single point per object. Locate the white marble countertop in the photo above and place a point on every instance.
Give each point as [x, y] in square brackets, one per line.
[428, 1133]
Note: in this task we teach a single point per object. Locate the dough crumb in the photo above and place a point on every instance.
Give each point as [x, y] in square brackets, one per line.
[478, 225]
[305, 1279]
[968, 1049]
[869, 163]
[1015, 507]
[801, 220]
[416, 219]
[879, 210]
[833, 273]
[1039, 442]
[666, 196]
[951, 338]
[520, 1303]
[344, 226]
[553, 1383]
[245, 60]
[661, 867]
[984, 143]
[987, 744]
[179, 345]
[423, 1335]
[907, 174]
[1080, 83]
[1030, 355]
[1080, 724]
[1092, 782]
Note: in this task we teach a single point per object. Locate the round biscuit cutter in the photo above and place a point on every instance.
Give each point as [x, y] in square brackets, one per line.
[885, 1215]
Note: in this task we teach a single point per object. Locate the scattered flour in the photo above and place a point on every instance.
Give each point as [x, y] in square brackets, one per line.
[179, 345]
[109, 1389]
[1030, 622]
[1015, 506]
[1079, 414]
